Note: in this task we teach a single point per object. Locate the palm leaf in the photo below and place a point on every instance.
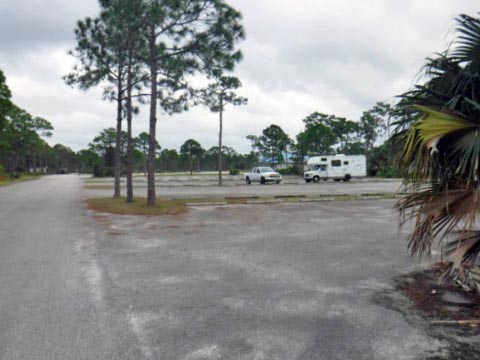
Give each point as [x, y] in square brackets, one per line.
[468, 42]
[424, 135]
[438, 213]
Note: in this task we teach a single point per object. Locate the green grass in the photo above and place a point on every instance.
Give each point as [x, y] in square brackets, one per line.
[4, 181]
[99, 187]
[138, 207]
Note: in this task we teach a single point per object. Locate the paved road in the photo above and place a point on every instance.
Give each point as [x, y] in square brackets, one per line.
[283, 281]
[47, 268]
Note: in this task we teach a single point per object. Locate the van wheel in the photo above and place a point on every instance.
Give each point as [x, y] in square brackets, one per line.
[247, 180]
[262, 181]
[308, 180]
[278, 182]
[316, 179]
[347, 177]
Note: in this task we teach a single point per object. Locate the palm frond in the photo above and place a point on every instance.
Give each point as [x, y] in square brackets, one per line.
[468, 42]
[464, 249]
[438, 212]
[423, 138]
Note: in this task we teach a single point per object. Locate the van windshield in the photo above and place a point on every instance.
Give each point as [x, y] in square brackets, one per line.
[266, 169]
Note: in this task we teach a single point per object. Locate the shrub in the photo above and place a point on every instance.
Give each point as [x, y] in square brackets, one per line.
[389, 172]
[234, 171]
[291, 170]
[100, 170]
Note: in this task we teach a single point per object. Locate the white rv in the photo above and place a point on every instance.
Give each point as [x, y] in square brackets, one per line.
[337, 167]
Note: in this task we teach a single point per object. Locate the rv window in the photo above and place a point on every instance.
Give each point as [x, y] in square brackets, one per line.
[336, 163]
[345, 163]
[323, 159]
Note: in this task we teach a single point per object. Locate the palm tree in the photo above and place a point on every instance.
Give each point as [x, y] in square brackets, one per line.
[439, 124]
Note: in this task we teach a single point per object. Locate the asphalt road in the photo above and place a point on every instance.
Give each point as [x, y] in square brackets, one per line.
[281, 281]
[51, 292]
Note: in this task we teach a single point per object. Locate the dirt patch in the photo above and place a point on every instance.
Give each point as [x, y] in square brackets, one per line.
[423, 300]
[103, 219]
[116, 233]
[438, 300]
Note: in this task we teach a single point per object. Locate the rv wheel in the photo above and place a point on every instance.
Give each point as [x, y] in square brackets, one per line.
[316, 179]
[347, 177]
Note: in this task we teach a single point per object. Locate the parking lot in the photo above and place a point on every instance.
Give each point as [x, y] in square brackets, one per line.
[283, 281]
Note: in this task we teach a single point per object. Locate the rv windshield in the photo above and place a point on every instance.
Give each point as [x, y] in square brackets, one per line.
[320, 167]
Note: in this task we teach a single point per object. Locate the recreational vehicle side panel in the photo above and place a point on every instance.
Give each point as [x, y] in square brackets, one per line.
[337, 167]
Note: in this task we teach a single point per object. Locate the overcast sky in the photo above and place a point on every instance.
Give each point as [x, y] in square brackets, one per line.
[300, 56]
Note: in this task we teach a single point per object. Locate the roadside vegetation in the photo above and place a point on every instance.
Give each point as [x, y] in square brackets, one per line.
[8, 180]
[23, 146]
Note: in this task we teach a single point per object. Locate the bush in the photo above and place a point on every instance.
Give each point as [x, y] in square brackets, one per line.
[234, 171]
[291, 170]
[101, 170]
[3, 173]
[389, 172]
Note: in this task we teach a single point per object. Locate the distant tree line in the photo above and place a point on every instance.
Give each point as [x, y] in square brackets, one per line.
[99, 158]
[22, 141]
[322, 135]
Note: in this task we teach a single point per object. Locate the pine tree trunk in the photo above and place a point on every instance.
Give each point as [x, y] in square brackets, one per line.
[118, 140]
[34, 162]
[129, 139]
[220, 143]
[151, 195]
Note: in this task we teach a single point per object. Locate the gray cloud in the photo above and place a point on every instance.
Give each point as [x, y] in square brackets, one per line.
[33, 25]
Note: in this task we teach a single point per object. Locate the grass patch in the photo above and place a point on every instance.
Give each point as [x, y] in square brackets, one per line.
[138, 207]
[4, 181]
[99, 187]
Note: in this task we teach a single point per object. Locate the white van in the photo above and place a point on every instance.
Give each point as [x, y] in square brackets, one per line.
[337, 167]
